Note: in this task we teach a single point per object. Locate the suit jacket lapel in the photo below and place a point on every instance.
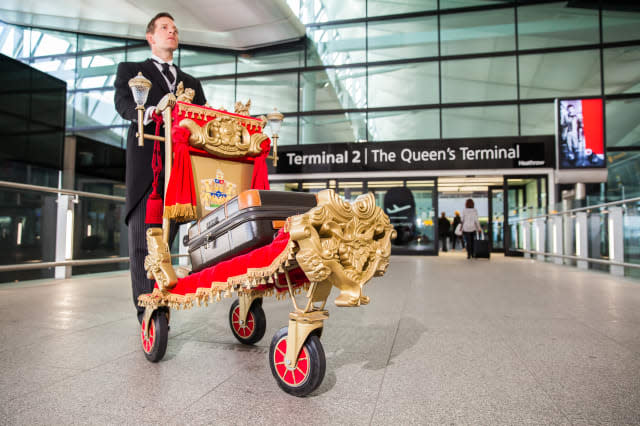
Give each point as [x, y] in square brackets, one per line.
[180, 77]
[156, 76]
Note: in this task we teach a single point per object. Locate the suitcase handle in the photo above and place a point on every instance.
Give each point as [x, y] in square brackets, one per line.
[213, 223]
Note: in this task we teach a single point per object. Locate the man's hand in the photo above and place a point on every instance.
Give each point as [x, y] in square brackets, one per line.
[148, 113]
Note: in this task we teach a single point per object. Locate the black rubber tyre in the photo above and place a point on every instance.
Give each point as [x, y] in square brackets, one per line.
[155, 347]
[254, 328]
[309, 370]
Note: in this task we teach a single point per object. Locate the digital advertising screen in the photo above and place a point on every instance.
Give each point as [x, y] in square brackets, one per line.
[579, 133]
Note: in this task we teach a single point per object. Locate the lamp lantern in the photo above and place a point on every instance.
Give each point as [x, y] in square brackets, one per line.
[140, 87]
[275, 119]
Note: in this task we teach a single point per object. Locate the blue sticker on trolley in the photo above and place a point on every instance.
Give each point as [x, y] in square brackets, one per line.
[215, 191]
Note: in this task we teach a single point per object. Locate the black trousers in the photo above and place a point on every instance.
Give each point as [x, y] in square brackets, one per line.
[469, 239]
[443, 242]
[454, 241]
[140, 284]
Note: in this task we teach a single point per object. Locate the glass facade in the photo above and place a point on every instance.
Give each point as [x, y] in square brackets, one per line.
[556, 25]
[27, 233]
[477, 32]
[367, 64]
[492, 79]
[379, 71]
[402, 39]
[480, 121]
[32, 124]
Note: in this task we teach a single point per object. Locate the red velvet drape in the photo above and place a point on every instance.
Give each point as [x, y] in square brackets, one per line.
[260, 258]
[181, 198]
[260, 178]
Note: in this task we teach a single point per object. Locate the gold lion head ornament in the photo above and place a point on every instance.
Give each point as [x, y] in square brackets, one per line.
[344, 243]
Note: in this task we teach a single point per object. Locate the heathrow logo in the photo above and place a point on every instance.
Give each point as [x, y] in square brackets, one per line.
[397, 209]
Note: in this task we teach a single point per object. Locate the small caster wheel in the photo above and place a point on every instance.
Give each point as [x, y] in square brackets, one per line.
[308, 372]
[155, 345]
[253, 329]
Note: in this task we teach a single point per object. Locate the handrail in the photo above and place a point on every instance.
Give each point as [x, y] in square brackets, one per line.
[579, 209]
[79, 262]
[43, 265]
[14, 185]
[586, 259]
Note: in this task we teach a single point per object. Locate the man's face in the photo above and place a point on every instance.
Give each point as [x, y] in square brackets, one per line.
[165, 35]
[571, 110]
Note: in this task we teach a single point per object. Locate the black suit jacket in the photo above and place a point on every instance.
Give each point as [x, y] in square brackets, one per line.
[139, 174]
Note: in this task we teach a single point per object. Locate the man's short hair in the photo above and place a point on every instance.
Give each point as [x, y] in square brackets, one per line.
[151, 26]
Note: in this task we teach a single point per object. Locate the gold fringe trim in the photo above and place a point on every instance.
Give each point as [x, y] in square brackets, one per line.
[246, 282]
[203, 113]
[180, 212]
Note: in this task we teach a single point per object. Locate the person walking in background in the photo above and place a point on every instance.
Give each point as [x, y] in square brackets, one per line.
[470, 225]
[443, 231]
[455, 238]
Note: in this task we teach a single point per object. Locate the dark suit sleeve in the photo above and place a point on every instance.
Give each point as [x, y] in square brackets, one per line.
[123, 99]
[199, 98]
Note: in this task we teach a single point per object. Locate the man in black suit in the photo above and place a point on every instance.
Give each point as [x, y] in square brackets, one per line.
[162, 36]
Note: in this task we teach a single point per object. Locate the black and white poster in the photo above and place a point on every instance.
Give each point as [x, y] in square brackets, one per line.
[580, 133]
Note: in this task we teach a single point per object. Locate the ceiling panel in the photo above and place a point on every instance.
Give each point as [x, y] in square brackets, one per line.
[228, 24]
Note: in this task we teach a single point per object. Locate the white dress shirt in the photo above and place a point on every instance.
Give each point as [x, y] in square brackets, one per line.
[158, 63]
[172, 86]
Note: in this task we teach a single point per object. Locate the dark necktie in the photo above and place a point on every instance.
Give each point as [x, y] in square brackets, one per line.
[166, 71]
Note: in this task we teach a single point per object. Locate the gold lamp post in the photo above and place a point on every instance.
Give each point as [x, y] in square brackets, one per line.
[275, 118]
[140, 87]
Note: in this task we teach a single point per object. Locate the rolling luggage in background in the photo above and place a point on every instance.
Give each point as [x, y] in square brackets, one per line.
[244, 223]
[481, 247]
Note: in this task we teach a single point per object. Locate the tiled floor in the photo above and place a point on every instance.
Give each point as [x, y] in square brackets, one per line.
[445, 340]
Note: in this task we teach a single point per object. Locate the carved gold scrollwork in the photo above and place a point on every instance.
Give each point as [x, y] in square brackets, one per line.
[223, 136]
[158, 261]
[241, 108]
[344, 243]
[184, 95]
[256, 141]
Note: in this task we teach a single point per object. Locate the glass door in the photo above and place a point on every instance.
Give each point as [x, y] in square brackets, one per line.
[411, 207]
[496, 218]
[350, 190]
[513, 207]
[313, 187]
[526, 197]
[425, 195]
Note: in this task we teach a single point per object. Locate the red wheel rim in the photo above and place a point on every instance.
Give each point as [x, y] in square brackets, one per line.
[291, 376]
[147, 344]
[242, 330]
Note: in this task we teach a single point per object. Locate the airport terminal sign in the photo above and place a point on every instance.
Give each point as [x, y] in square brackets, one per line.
[486, 153]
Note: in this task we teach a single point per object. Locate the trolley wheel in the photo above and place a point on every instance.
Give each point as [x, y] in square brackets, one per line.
[304, 377]
[254, 328]
[155, 346]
